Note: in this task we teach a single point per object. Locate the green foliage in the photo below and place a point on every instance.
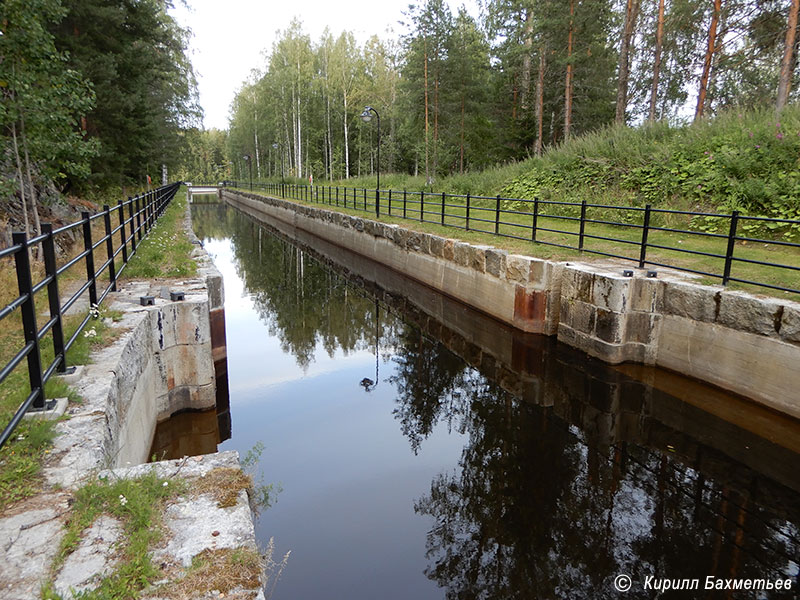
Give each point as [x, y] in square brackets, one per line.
[43, 96]
[742, 160]
[204, 159]
[134, 53]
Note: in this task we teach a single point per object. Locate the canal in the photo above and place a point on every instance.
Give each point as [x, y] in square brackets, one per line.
[425, 451]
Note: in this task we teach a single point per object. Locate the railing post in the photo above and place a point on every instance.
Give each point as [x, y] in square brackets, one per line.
[422, 206]
[404, 204]
[365, 199]
[468, 202]
[378, 203]
[112, 271]
[731, 245]
[337, 195]
[53, 299]
[645, 231]
[87, 245]
[121, 210]
[23, 267]
[152, 209]
[138, 219]
[497, 216]
[583, 225]
[443, 205]
[133, 228]
[146, 209]
[535, 223]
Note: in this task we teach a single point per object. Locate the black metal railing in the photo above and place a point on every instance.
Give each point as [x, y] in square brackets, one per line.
[584, 226]
[142, 213]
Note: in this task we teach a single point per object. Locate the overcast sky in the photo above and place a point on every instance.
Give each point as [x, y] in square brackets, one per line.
[229, 37]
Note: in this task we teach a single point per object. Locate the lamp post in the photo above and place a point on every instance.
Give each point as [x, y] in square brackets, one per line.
[367, 117]
[276, 145]
[367, 383]
[250, 169]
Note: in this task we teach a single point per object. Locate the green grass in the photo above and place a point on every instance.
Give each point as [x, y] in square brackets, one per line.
[517, 223]
[22, 456]
[138, 504]
[166, 250]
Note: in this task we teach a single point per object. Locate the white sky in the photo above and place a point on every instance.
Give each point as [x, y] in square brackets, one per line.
[230, 37]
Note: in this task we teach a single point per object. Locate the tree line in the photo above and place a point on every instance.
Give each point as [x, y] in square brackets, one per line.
[94, 93]
[457, 93]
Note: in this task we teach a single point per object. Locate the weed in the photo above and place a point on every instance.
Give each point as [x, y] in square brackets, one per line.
[138, 504]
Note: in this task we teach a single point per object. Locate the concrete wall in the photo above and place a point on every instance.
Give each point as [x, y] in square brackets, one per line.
[743, 343]
[162, 363]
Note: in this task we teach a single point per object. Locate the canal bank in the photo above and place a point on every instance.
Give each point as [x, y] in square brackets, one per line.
[742, 343]
[168, 358]
[411, 448]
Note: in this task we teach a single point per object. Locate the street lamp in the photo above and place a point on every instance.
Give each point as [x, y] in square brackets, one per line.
[276, 145]
[367, 117]
[250, 168]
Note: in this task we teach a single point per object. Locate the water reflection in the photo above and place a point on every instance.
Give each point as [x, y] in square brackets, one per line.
[571, 471]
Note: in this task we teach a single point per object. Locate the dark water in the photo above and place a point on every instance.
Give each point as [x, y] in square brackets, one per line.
[451, 457]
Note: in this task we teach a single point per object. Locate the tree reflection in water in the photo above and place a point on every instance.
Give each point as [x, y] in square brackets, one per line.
[572, 472]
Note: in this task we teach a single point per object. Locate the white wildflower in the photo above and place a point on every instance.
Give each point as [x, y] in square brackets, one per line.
[123, 500]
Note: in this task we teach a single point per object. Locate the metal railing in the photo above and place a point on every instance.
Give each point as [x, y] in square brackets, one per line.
[136, 218]
[575, 225]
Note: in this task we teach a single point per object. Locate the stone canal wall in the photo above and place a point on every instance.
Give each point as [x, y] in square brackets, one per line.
[161, 364]
[743, 343]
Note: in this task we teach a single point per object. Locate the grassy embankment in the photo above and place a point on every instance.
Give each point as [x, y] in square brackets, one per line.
[739, 161]
[165, 252]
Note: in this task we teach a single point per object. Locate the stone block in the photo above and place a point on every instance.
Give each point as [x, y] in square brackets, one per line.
[370, 227]
[437, 246]
[188, 365]
[216, 290]
[496, 262]
[578, 315]
[611, 292]
[537, 271]
[640, 327]
[698, 302]
[425, 243]
[462, 253]
[414, 241]
[518, 268]
[748, 313]
[387, 231]
[646, 294]
[608, 325]
[577, 284]
[181, 323]
[448, 251]
[790, 323]
[477, 257]
[401, 237]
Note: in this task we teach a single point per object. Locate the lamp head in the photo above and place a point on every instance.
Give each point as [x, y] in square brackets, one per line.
[246, 157]
[275, 145]
[366, 116]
